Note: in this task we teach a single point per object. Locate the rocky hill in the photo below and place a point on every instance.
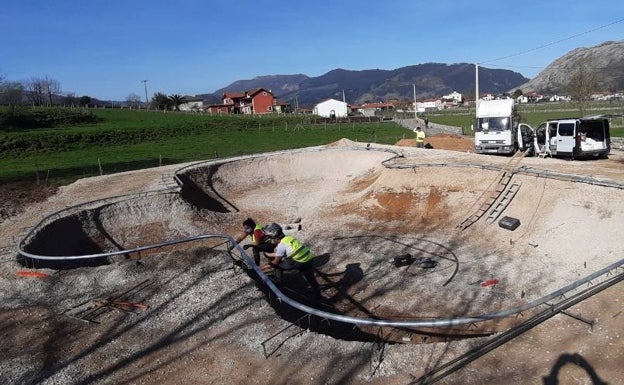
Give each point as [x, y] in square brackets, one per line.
[605, 61]
[430, 79]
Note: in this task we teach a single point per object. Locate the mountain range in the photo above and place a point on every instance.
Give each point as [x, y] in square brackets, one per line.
[433, 80]
[376, 85]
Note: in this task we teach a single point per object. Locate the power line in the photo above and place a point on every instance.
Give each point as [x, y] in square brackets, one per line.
[565, 67]
[554, 42]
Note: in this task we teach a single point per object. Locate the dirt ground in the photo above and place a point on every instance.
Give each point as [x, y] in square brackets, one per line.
[222, 345]
[14, 196]
[450, 142]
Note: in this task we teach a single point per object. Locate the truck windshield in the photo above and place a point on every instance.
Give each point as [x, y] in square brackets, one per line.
[492, 124]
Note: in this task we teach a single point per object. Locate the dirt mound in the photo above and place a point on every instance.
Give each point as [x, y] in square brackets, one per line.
[443, 142]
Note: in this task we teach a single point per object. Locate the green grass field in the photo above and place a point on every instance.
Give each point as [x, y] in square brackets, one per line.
[533, 114]
[126, 140]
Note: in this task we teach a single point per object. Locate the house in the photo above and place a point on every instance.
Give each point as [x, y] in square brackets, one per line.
[454, 97]
[217, 109]
[369, 109]
[331, 108]
[281, 107]
[429, 104]
[192, 104]
[252, 102]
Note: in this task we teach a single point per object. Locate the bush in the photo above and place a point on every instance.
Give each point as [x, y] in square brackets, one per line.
[27, 119]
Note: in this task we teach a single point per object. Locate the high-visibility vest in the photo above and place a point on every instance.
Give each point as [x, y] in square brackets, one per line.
[299, 252]
[420, 136]
[258, 227]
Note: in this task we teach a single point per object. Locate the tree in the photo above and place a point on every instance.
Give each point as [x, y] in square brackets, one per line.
[160, 101]
[85, 101]
[583, 82]
[177, 100]
[42, 91]
[52, 88]
[133, 100]
[11, 94]
[70, 99]
[517, 93]
[36, 91]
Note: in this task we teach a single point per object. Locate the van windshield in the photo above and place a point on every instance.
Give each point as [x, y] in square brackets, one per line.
[493, 124]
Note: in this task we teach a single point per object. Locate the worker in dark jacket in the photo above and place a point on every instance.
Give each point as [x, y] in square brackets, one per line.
[259, 240]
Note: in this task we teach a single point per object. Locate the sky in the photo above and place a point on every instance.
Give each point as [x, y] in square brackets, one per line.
[106, 49]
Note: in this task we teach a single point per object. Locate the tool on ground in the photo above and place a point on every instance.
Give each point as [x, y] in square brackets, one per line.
[31, 274]
[408, 259]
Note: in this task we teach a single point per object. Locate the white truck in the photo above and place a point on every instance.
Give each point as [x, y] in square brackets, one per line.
[498, 129]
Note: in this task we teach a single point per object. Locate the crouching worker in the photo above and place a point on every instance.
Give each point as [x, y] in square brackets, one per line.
[291, 254]
[259, 240]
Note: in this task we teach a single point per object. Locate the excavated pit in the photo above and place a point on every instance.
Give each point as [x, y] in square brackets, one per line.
[357, 214]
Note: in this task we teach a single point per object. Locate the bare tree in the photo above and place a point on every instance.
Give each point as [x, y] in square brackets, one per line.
[583, 82]
[70, 99]
[52, 88]
[41, 91]
[133, 100]
[36, 91]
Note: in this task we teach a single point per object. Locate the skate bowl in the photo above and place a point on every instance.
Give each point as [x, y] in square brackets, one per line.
[372, 215]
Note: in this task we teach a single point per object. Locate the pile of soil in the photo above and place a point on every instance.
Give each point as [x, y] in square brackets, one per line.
[450, 142]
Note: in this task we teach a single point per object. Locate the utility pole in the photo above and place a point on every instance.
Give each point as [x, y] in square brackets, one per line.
[476, 82]
[415, 107]
[145, 84]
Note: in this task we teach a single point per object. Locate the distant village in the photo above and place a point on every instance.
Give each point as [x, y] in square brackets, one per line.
[262, 101]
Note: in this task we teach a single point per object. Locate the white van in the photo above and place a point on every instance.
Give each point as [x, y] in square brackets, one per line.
[575, 137]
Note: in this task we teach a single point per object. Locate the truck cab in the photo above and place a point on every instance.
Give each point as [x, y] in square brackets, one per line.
[498, 129]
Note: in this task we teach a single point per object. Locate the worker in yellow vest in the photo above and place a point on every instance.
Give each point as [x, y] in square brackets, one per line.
[291, 254]
[420, 137]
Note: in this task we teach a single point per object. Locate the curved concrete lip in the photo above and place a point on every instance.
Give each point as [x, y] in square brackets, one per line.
[361, 206]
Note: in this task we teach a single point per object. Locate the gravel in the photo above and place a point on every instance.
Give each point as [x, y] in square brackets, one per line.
[209, 321]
